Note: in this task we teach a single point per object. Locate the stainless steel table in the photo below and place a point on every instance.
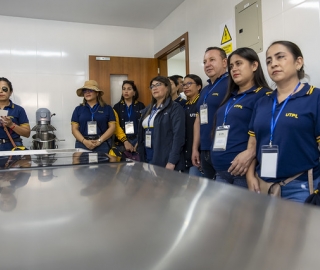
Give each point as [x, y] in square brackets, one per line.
[137, 216]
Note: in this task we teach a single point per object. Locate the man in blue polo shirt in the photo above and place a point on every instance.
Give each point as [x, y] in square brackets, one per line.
[215, 64]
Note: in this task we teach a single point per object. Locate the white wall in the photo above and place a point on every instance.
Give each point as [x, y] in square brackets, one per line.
[176, 67]
[46, 61]
[294, 20]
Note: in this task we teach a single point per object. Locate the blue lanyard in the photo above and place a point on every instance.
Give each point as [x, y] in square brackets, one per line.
[153, 112]
[228, 109]
[274, 121]
[223, 76]
[93, 111]
[129, 111]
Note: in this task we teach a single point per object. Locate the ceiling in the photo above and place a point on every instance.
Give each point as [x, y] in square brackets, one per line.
[129, 13]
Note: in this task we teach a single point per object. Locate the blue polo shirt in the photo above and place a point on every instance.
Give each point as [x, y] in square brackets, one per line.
[238, 118]
[214, 99]
[18, 116]
[181, 101]
[102, 115]
[297, 132]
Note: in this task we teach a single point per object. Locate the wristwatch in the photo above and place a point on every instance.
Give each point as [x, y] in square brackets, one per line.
[99, 140]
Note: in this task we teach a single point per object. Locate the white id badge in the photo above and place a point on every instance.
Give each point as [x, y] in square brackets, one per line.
[148, 139]
[269, 160]
[203, 114]
[221, 138]
[129, 127]
[93, 157]
[92, 127]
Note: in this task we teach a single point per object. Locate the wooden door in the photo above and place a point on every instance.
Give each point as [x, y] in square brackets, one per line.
[140, 70]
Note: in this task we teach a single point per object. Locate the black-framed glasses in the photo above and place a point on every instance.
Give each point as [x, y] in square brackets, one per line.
[188, 84]
[155, 85]
[87, 91]
[5, 89]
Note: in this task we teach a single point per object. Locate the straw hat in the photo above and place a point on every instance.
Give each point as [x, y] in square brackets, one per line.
[91, 84]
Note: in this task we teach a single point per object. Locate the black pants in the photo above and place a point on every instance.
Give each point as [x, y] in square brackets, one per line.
[206, 164]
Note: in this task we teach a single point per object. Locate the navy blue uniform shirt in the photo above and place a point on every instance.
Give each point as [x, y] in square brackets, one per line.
[297, 132]
[122, 110]
[190, 111]
[213, 101]
[238, 118]
[18, 116]
[103, 115]
[181, 101]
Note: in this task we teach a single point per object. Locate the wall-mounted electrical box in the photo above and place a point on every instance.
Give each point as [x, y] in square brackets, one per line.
[249, 25]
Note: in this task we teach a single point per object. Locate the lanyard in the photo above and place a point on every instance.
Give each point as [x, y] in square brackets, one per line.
[223, 76]
[228, 109]
[153, 112]
[93, 110]
[274, 121]
[129, 110]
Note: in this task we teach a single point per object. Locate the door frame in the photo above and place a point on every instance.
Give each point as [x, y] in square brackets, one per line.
[169, 51]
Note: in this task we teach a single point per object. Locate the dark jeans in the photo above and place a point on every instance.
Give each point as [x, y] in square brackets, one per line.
[225, 177]
[206, 164]
[193, 171]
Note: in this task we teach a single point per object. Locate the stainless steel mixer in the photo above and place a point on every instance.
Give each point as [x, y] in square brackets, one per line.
[44, 137]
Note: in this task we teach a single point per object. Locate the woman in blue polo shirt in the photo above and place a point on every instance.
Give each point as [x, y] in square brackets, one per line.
[285, 126]
[161, 131]
[93, 121]
[16, 121]
[129, 112]
[229, 154]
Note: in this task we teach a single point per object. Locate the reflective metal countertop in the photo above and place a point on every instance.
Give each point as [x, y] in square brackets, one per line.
[137, 216]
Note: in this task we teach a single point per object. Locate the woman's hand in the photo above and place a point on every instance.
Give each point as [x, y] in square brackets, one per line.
[135, 147]
[253, 184]
[170, 166]
[241, 163]
[128, 146]
[195, 158]
[91, 144]
[6, 121]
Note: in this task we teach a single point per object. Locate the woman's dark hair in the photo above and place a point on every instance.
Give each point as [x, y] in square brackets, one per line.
[8, 82]
[167, 83]
[135, 89]
[258, 76]
[196, 79]
[295, 51]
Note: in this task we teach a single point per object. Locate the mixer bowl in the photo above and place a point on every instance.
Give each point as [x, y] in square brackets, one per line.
[49, 143]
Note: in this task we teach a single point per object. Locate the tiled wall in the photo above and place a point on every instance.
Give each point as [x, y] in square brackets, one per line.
[47, 61]
[295, 20]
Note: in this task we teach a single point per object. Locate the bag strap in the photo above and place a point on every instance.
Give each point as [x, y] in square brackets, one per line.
[310, 180]
[288, 180]
[10, 138]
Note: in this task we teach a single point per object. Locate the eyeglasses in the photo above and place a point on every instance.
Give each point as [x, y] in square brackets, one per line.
[155, 85]
[188, 84]
[84, 91]
[5, 89]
